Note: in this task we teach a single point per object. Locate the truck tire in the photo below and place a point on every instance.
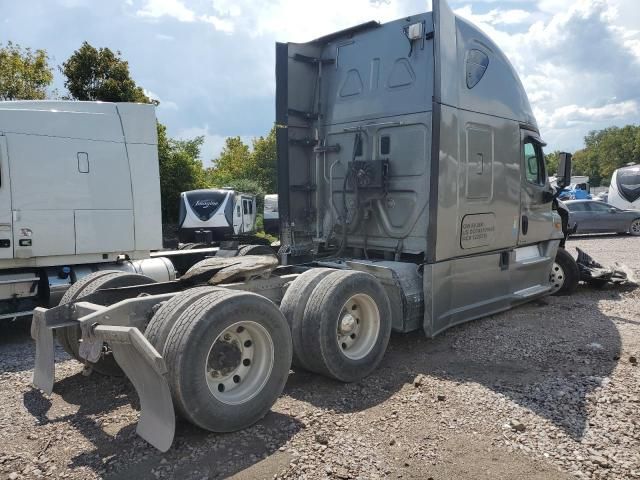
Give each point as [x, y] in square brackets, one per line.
[255, 250]
[293, 304]
[228, 358]
[565, 275]
[62, 334]
[347, 325]
[167, 315]
[69, 337]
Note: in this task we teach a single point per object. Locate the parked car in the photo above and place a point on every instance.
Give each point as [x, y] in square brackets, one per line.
[593, 216]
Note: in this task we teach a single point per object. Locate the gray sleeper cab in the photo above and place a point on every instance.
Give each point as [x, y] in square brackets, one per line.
[417, 138]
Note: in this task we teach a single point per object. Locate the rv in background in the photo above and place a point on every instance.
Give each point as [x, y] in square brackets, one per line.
[624, 190]
[213, 215]
[271, 217]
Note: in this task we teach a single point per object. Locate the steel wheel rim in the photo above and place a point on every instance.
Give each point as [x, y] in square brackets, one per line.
[239, 362]
[635, 227]
[358, 326]
[556, 277]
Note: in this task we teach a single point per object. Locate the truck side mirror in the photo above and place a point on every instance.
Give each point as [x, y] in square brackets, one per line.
[564, 170]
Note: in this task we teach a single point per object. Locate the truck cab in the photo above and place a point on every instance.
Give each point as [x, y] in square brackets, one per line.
[414, 142]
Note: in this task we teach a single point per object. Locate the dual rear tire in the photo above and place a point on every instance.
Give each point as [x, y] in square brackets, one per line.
[340, 322]
[228, 356]
[69, 337]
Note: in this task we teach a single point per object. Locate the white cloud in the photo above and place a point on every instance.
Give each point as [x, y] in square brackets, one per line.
[578, 61]
[569, 116]
[169, 8]
[220, 24]
[495, 16]
[299, 21]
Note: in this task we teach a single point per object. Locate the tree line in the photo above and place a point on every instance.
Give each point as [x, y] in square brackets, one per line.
[93, 74]
[604, 151]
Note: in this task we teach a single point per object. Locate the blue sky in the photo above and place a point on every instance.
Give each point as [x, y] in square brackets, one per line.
[211, 62]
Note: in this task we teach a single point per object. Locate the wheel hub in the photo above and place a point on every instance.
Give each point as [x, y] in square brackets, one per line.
[358, 326]
[225, 357]
[347, 324]
[556, 277]
[239, 362]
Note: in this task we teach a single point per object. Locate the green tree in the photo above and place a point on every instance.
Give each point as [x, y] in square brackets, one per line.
[255, 166]
[180, 170]
[551, 160]
[606, 150]
[265, 162]
[25, 74]
[232, 164]
[100, 74]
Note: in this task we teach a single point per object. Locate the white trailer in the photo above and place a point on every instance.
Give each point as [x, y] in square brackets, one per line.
[213, 215]
[624, 189]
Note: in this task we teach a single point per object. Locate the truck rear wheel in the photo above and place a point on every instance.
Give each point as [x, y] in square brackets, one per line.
[228, 358]
[167, 315]
[69, 337]
[62, 334]
[293, 305]
[565, 275]
[347, 325]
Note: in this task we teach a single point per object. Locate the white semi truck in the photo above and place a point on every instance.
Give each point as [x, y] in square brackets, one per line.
[413, 195]
[79, 192]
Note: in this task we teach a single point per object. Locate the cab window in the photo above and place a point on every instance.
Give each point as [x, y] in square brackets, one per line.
[534, 163]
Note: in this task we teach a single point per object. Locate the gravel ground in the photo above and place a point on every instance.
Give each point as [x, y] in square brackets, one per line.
[549, 390]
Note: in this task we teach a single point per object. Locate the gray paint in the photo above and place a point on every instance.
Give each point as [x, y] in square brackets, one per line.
[456, 193]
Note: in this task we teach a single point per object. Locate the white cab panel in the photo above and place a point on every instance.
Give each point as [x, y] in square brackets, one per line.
[50, 232]
[145, 181]
[6, 234]
[104, 231]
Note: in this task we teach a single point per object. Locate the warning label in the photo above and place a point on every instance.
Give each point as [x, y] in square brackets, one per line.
[478, 230]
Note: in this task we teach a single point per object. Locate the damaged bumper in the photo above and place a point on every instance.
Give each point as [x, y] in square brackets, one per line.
[594, 273]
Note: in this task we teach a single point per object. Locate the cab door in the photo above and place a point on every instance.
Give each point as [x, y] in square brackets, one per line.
[536, 217]
[6, 220]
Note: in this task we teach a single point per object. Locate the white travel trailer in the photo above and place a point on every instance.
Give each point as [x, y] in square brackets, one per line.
[209, 215]
[624, 190]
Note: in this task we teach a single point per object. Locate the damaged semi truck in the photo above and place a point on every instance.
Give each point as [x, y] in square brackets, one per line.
[412, 196]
